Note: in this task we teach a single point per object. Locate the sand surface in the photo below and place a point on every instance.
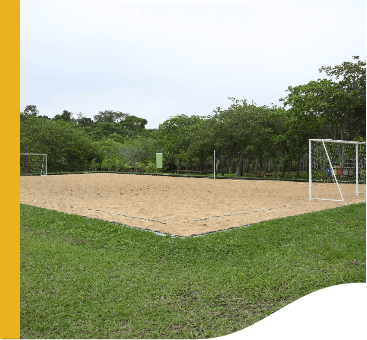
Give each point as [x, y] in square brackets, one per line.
[178, 205]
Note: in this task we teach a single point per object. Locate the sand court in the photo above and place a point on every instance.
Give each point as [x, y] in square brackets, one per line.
[179, 205]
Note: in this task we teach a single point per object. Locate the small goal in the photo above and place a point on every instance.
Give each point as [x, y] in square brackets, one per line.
[335, 161]
[32, 164]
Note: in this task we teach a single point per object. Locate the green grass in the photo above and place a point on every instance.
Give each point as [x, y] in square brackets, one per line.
[86, 278]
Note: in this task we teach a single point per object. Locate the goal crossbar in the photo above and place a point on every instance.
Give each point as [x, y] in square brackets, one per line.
[331, 167]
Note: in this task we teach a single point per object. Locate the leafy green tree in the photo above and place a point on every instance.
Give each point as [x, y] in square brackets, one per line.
[110, 150]
[139, 151]
[44, 117]
[67, 148]
[175, 135]
[105, 129]
[240, 131]
[84, 121]
[202, 142]
[219, 133]
[117, 138]
[31, 110]
[341, 104]
[351, 99]
[132, 126]
[109, 116]
[110, 123]
[290, 135]
[323, 109]
[66, 116]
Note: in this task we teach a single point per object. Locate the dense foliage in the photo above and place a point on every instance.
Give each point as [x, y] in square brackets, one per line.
[266, 138]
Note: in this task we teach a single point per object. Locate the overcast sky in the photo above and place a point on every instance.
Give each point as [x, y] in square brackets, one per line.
[156, 60]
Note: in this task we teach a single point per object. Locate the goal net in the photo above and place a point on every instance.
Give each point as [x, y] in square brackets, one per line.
[33, 164]
[335, 162]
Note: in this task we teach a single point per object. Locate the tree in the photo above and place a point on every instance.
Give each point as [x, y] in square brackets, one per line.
[132, 126]
[66, 116]
[83, 120]
[67, 148]
[175, 135]
[341, 104]
[352, 99]
[31, 110]
[240, 131]
[105, 129]
[110, 116]
[223, 133]
[201, 141]
[140, 151]
[110, 150]
[117, 138]
[44, 117]
[290, 135]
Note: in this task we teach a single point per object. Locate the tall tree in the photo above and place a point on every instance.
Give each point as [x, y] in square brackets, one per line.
[138, 151]
[67, 148]
[66, 116]
[175, 135]
[351, 100]
[201, 142]
[110, 116]
[83, 120]
[242, 130]
[131, 126]
[342, 104]
[31, 110]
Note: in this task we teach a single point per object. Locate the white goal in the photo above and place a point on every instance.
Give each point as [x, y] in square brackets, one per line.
[335, 161]
[33, 164]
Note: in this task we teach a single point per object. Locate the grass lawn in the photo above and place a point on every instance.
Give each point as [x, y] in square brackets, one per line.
[86, 278]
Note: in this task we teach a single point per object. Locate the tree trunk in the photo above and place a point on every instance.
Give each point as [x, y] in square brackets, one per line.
[275, 165]
[202, 160]
[284, 167]
[217, 166]
[245, 165]
[298, 164]
[223, 165]
[171, 165]
[239, 165]
[261, 160]
[289, 166]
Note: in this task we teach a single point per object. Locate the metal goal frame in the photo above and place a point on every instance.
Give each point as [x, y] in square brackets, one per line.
[38, 154]
[331, 167]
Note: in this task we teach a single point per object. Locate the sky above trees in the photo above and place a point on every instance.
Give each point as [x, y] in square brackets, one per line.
[155, 60]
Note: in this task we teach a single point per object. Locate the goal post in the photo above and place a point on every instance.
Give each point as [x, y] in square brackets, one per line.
[33, 164]
[336, 161]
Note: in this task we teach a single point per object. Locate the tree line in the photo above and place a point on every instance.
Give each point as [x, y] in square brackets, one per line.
[243, 135]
